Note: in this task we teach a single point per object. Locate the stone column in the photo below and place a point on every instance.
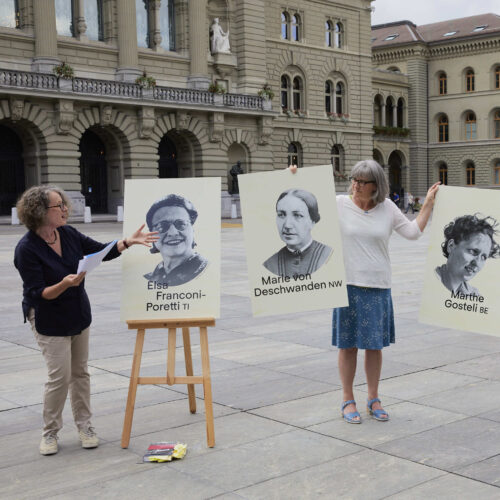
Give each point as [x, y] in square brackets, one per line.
[395, 115]
[382, 114]
[81, 26]
[154, 24]
[45, 36]
[128, 61]
[198, 45]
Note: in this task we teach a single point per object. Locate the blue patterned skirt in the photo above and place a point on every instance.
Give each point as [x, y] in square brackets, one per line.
[367, 322]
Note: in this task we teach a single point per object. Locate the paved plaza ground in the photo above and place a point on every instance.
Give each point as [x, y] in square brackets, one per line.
[278, 430]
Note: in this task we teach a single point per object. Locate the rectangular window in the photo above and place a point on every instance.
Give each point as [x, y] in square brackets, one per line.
[64, 17]
[497, 175]
[142, 14]
[443, 86]
[471, 176]
[9, 14]
[470, 131]
[93, 19]
[167, 24]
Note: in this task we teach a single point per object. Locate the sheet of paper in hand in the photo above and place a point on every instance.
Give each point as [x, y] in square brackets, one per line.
[462, 275]
[292, 240]
[179, 277]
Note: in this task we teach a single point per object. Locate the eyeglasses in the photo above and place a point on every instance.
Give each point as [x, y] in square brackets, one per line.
[360, 182]
[61, 206]
[164, 225]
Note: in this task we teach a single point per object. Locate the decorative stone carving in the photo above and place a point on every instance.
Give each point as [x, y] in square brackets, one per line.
[146, 121]
[219, 41]
[265, 130]
[106, 112]
[64, 116]
[216, 127]
[182, 120]
[16, 109]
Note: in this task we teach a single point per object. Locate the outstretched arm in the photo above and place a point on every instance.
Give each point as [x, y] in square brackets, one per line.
[426, 210]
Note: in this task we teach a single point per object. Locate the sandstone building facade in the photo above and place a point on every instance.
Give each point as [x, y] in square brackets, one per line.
[90, 132]
[451, 74]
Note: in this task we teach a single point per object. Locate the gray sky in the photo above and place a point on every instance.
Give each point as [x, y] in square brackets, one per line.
[430, 11]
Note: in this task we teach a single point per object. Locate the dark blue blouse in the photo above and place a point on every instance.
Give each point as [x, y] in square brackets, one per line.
[40, 267]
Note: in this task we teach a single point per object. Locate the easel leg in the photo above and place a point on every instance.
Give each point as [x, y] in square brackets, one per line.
[172, 332]
[189, 368]
[132, 388]
[207, 387]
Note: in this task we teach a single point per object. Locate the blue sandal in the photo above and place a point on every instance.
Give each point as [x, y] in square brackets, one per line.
[349, 417]
[380, 415]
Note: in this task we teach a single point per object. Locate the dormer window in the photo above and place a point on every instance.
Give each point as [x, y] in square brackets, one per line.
[479, 28]
[450, 33]
[391, 37]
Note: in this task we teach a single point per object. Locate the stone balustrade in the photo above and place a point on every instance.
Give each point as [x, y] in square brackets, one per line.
[112, 88]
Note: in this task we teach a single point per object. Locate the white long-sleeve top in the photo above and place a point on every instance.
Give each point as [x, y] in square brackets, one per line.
[365, 240]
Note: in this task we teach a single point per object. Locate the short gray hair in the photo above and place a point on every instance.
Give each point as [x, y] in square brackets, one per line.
[370, 170]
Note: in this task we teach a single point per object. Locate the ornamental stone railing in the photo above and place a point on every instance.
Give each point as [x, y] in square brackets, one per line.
[111, 88]
[28, 79]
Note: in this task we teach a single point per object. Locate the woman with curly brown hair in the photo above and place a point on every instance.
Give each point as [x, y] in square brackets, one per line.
[56, 304]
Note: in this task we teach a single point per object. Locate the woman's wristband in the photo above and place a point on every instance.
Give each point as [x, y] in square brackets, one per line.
[125, 243]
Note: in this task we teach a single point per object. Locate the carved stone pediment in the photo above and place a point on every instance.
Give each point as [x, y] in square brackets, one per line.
[146, 116]
[64, 116]
[216, 127]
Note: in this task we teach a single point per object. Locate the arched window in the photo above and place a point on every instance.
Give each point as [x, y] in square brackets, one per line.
[9, 14]
[389, 112]
[470, 173]
[496, 125]
[339, 98]
[64, 17]
[443, 129]
[470, 126]
[285, 90]
[470, 81]
[142, 22]
[297, 93]
[339, 35]
[443, 174]
[496, 173]
[167, 24]
[443, 83]
[328, 97]
[294, 154]
[400, 113]
[295, 28]
[336, 158]
[93, 19]
[497, 77]
[329, 34]
[285, 20]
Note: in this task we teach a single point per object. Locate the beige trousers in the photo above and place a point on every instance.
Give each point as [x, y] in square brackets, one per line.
[66, 360]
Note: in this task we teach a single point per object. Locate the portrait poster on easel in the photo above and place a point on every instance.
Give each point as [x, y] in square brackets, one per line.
[179, 277]
[462, 276]
[292, 240]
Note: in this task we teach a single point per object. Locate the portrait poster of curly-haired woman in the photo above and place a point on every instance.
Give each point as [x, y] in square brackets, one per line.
[179, 275]
[292, 240]
[462, 279]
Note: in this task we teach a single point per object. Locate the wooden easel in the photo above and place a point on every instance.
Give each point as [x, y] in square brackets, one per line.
[172, 324]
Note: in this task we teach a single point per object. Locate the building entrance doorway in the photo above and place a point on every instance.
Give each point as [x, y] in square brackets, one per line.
[12, 180]
[167, 164]
[94, 172]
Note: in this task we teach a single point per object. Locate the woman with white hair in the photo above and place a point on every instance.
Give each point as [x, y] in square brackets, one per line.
[367, 219]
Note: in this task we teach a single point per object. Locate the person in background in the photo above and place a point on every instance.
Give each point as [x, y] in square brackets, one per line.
[367, 219]
[57, 306]
[411, 203]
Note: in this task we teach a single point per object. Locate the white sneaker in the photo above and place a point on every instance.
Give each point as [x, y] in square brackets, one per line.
[48, 444]
[88, 437]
